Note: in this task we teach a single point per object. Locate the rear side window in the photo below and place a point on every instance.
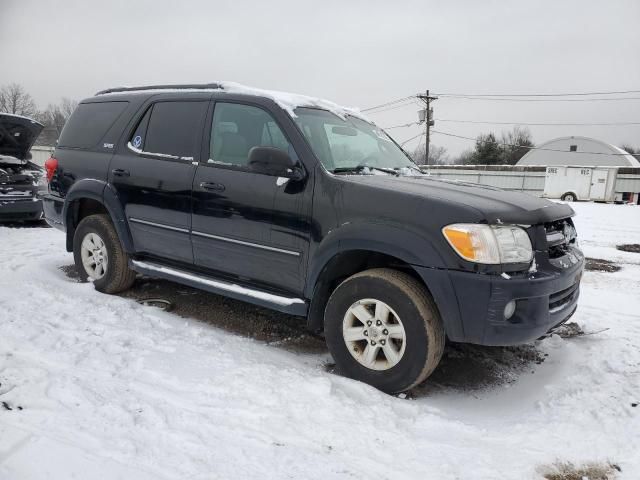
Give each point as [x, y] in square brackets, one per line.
[89, 123]
[174, 128]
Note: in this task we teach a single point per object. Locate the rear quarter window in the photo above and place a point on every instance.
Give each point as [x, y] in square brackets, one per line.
[174, 128]
[89, 123]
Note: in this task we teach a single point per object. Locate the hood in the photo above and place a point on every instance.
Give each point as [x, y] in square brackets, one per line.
[495, 205]
[17, 135]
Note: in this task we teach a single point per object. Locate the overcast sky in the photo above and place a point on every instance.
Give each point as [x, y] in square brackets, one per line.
[358, 53]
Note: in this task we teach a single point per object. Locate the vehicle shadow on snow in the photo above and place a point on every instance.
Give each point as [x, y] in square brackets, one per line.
[463, 367]
[25, 224]
[467, 367]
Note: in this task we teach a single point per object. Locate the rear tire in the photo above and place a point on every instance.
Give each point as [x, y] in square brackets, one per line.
[569, 197]
[98, 255]
[382, 328]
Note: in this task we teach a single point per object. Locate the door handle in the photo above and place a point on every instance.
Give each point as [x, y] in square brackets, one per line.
[119, 172]
[215, 187]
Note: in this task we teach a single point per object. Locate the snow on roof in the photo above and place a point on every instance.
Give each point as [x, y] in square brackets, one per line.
[287, 101]
[290, 101]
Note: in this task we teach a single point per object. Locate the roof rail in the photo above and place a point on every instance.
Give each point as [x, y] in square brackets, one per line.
[189, 86]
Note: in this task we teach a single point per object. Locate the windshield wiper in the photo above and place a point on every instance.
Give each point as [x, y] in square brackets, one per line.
[360, 168]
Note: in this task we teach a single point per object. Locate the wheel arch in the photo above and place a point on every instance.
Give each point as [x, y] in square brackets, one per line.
[357, 247]
[89, 197]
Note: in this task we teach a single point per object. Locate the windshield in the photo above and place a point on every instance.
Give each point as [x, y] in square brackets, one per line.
[351, 144]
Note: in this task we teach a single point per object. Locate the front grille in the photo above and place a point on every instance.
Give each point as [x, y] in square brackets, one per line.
[558, 300]
[560, 235]
[13, 194]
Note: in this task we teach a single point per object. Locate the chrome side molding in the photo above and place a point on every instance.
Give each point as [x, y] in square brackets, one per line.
[242, 242]
[159, 225]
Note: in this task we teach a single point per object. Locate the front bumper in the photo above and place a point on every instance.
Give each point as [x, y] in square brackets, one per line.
[21, 210]
[472, 305]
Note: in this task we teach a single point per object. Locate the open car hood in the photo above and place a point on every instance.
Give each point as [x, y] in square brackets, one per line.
[17, 135]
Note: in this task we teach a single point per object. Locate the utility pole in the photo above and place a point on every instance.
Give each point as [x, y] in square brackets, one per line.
[426, 116]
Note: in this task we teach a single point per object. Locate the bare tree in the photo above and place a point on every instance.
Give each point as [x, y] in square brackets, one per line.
[465, 158]
[57, 115]
[634, 151]
[437, 155]
[14, 99]
[516, 143]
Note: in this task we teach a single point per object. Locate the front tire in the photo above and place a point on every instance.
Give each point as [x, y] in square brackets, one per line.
[382, 328]
[99, 256]
[569, 197]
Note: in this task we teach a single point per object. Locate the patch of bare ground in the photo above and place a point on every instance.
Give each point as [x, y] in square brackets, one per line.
[600, 265]
[629, 247]
[466, 367]
[277, 329]
[588, 471]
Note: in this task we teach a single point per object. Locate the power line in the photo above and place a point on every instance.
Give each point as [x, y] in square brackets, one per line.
[538, 124]
[412, 138]
[501, 99]
[525, 146]
[392, 102]
[404, 125]
[393, 107]
[554, 124]
[619, 92]
[518, 97]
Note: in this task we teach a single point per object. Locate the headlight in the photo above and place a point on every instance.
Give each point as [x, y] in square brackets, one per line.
[492, 244]
[40, 180]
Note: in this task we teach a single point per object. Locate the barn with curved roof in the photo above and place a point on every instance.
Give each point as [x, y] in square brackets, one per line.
[578, 151]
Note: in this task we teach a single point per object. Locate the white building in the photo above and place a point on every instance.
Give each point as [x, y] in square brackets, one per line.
[578, 151]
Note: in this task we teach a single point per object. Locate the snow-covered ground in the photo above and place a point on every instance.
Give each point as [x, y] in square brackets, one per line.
[101, 387]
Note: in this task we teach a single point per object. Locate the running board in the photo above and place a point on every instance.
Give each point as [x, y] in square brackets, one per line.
[293, 306]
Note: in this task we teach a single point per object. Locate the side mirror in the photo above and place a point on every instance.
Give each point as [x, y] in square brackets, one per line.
[274, 162]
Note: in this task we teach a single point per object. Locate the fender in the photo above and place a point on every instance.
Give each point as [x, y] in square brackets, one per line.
[105, 194]
[399, 242]
[394, 240]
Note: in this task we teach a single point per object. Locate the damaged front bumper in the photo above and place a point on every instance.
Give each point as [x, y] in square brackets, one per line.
[473, 305]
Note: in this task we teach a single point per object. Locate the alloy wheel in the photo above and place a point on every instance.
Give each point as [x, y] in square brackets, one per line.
[374, 334]
[94, 256]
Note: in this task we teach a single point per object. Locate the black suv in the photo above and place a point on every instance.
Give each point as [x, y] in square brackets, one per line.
[305, 207]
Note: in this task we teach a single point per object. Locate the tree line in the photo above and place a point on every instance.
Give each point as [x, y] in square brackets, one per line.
[489, 149]
[16, 100]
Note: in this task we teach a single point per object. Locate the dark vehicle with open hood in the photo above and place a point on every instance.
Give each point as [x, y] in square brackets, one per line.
[305, 207]
[19, 177]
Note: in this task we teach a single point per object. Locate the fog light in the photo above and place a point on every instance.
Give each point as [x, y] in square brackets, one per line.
[509, 309]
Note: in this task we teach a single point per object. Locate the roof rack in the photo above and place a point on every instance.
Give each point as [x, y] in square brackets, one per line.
[189, 86]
